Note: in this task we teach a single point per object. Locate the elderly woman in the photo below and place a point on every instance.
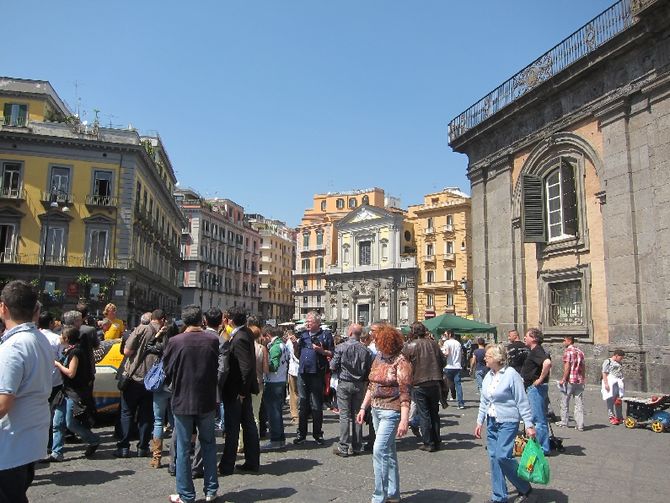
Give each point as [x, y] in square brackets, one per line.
[503, 403]
[388, 393]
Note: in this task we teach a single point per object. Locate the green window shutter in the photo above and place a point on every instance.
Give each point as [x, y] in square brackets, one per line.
[23, 115]
[7, 112]
[532, 216]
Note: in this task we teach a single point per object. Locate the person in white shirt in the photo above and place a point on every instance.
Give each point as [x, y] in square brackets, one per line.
[452, 371]
[293, 366]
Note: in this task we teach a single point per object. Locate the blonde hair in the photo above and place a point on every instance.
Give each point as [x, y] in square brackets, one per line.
[109, 307]
[498, 352]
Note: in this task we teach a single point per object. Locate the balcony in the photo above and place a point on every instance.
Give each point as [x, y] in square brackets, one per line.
[15, 193]
[8, 257]
[264, 273]
[448, 228]
[60, 197]
[407, 262]
[449, 257]
[429, 231]
[439, 285]
[99, 200]
[429, 259]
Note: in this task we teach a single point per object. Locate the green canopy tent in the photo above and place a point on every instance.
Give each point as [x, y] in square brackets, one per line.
[449, 322]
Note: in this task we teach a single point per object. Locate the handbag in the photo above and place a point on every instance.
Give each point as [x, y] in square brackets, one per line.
[533, 466]
[154, 378]
[519, 445]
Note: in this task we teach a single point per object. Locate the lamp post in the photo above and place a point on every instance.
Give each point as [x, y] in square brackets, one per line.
[54, 204]
[464, 286]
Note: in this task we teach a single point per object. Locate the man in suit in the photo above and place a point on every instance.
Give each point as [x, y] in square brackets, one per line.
[240, 384]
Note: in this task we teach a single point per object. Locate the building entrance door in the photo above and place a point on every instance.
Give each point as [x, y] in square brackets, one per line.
[363, 314]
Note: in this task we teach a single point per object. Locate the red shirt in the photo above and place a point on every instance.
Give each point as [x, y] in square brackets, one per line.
[575, 358]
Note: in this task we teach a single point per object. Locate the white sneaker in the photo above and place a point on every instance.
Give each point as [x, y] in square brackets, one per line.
[211, 497]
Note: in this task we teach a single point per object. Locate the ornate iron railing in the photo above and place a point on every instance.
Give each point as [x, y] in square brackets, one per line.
[584, 41]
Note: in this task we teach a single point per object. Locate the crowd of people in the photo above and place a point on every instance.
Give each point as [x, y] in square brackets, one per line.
[224, 371]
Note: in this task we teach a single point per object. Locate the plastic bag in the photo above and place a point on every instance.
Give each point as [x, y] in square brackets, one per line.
[533, 466]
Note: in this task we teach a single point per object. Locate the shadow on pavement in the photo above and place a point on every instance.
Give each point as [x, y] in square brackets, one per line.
[251, 495]
[549, 495]
[433, 495]
[79, 477]
[574, 450]
[285, 466]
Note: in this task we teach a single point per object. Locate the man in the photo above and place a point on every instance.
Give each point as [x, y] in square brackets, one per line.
[313, 347]
[535, 373]
[572, 382]
[26, 365]
[240, 383]
[275, 388]
[427, 362]
[453, 351]
[190, 362]
[516, 351]
[46, 325]
[352, 362]
[136, 401]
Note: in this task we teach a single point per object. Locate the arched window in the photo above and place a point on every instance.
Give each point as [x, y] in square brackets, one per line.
[365, 200]
[352, 202]
[339, 204]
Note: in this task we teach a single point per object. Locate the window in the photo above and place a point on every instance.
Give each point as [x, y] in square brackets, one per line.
[365, 200]
[449, 247]
[102, 188]
[305, 265]
[565, 304]
[333, 312]
[561, 204]
[384, 311]
[11, 187]
[305, 240]
[364, 253]
[430, 250]
[345, 312]
[59, 181]
[404, 311]
[319, 264]
[97, 249]
[449, 274]
[339, 204]
[7, 242]
[565, 301]
[430, 300]
[323, 205]
[304, 300]
[15, 114]
[430, 276]
[450, 220]
[352, 202]
[55, 245]
[429, 225]
[450, 299]
[304, 283]
[345, 254]
[319, 238]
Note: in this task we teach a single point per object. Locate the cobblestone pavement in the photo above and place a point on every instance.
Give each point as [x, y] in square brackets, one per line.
[602, 464]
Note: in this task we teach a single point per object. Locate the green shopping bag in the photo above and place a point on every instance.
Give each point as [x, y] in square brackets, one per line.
[533, 466]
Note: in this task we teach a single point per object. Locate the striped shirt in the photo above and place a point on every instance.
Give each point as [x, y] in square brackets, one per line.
[575, 358]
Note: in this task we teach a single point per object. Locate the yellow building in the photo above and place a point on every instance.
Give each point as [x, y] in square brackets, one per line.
[442, 227]
[317, 243]
[85, 211]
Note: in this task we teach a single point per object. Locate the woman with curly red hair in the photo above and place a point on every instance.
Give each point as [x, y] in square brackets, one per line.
[388, 393]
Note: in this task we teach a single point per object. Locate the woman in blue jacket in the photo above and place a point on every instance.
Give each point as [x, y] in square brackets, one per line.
[503, 403]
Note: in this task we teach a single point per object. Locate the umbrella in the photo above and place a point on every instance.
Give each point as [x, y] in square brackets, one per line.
[440, 324]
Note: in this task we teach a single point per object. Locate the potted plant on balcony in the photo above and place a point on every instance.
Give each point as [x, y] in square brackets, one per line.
[84, 282]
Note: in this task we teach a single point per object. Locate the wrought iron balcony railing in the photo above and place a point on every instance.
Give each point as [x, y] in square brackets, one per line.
[12, 193]
[102, 200]
[584, 41]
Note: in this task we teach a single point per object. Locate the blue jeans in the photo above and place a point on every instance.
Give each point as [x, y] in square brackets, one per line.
[160, 404]
[454, 379]
[384, 455]
[76, 427]
[58, 427]
[183, 427]
[273, 397]
[479, 377]
[537, 396]
[499, 445]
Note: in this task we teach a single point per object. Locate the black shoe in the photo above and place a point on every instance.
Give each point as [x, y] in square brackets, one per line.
[524, 497]
[319, 440]
[121, 452]
[428, 448]
[247, 468]
[223, 472]
[298, 440]
[415, 431]
[172, 470]
[195, 474]
[143, 453]
[90, 450]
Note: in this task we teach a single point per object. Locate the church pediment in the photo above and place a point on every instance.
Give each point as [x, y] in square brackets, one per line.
[365, 214]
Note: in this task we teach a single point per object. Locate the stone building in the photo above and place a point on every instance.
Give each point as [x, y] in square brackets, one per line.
[374, 278]
[569, 164]
[442, 226]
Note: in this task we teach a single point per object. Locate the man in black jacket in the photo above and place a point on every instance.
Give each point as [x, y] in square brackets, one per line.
[240, 384]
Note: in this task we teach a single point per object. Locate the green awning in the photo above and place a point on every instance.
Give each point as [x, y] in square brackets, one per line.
[440, 324]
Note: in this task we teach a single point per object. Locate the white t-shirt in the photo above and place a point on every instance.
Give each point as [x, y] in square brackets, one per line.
[58, 348]
[452, 348]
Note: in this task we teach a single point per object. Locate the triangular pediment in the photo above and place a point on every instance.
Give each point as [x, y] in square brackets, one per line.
[99, 220]
[10, 212]
[365, 214]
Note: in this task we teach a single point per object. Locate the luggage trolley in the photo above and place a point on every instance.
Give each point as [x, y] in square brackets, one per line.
[652, 411]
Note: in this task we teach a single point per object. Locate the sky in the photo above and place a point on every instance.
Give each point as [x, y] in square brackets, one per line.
[268, 102]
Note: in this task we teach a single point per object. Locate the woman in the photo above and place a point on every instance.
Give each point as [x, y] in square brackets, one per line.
[477, 363]
[78, 390]
[503, 403]
[115, 330]
[388, 393]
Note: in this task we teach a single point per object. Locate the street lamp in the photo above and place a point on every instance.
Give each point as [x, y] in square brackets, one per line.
[464, 284]
[57, 198]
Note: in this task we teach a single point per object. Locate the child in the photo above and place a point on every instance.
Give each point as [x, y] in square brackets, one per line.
[612, 386]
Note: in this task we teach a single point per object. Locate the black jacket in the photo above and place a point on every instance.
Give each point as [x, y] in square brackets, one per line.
[241, 378]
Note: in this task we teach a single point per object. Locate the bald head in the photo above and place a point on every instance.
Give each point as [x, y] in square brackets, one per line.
[355, 330]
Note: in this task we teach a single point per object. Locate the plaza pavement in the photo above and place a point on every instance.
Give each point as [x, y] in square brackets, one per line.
[602, 464]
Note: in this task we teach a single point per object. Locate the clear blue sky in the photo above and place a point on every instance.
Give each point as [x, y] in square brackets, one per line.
[269, 102]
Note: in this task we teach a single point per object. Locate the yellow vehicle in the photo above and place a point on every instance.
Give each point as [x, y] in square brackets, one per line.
[108, 357]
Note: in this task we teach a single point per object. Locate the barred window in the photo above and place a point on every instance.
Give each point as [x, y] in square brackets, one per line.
[566, 305]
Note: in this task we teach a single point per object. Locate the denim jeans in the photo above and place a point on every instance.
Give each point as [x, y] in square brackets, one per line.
[349, 399]
[576, 390]
[479, 377]
[76, 427]
[427, 399]
[310, 392]
[58, 427]
[136, 404]
[273, 397]
[537, 396]
[384, 455]
[183, 427]
[499, 444]
[160, 406]
[454, 380]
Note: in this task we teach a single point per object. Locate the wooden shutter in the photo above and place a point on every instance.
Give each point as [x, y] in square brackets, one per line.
[569, 200]
[532, 215]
